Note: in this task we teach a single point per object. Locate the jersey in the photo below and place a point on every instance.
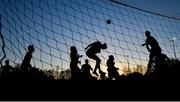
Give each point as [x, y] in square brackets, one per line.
[154, 44]
[95, 48]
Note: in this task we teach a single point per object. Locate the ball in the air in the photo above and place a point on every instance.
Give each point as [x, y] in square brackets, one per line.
[108, 21]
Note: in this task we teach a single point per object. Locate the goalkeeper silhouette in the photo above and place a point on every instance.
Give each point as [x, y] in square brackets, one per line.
[92, 50]
[155, 48]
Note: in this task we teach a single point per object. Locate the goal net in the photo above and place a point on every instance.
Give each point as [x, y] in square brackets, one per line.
[53, 26]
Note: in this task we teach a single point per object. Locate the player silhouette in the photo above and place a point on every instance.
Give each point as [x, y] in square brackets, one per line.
[112, 70]
[155, 49]
[75, 71]
[6, 69]
[86, 68]
[25, 65]
[92, 50]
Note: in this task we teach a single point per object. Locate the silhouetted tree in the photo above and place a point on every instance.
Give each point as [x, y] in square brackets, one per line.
[134, 76]
[172, 70]
[162, 63]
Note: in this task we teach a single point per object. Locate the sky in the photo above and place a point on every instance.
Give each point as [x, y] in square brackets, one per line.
[53, 26]
[168, 8]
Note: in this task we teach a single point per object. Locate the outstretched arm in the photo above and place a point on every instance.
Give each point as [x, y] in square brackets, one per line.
[147, 45]
[88, 46]
[144, 44]
[80, 55]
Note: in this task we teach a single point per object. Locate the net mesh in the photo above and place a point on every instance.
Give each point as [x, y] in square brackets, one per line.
[165, 8]
[53, 26]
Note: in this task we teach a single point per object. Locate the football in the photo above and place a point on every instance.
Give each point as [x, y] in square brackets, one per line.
[108, 21]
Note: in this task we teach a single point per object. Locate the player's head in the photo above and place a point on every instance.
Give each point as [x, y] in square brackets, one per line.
[31, 48]
[111, 57]
[73, 49]
[86, 61]
[104, 46]
[147, 33]
[7, 62]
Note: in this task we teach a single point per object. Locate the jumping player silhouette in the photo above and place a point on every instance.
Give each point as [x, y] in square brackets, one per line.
[155, 49]
[92, 50]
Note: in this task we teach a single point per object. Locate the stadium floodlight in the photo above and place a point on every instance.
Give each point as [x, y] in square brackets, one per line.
[173, 42]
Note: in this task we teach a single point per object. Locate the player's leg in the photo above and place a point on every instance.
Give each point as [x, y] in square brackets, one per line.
[98, 61]
[151, 56]
[97, 66]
